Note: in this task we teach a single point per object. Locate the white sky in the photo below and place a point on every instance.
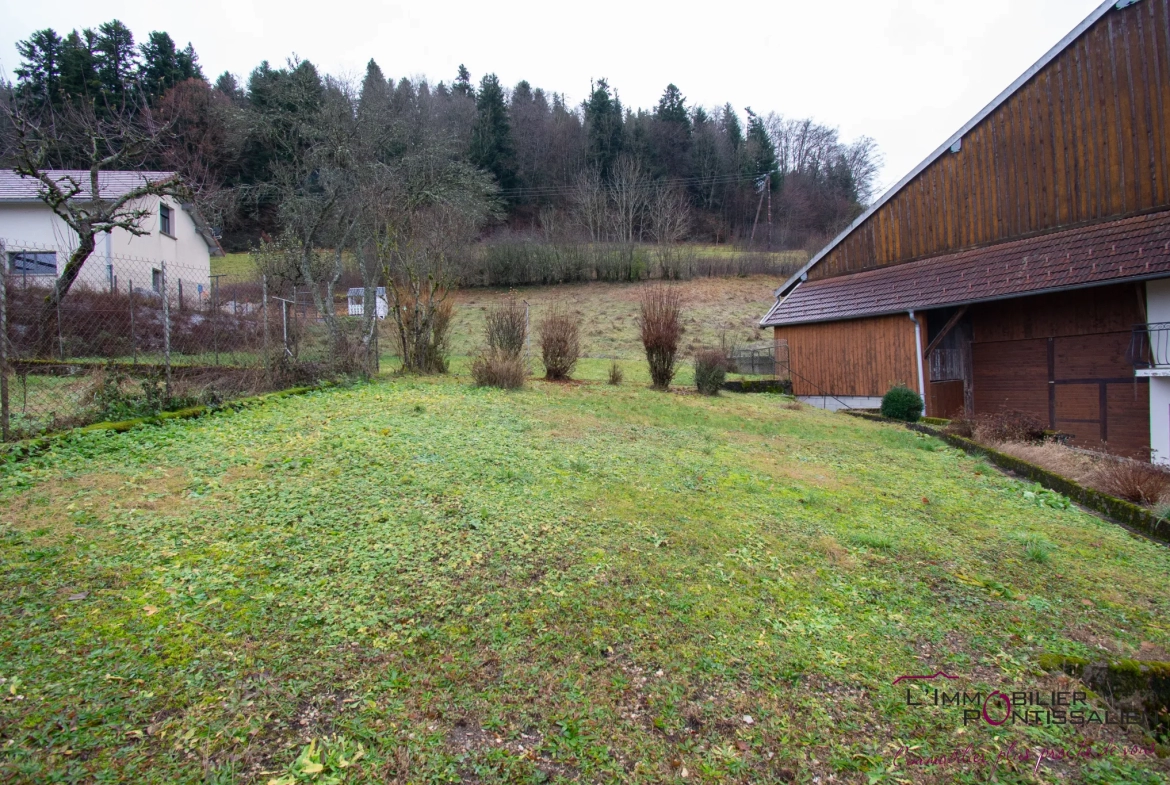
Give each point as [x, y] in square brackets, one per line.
[907, 72]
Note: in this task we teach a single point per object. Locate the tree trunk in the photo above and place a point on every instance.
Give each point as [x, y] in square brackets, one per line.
[47, 327]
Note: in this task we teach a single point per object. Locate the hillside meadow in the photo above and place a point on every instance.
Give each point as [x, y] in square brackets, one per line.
[418, 581]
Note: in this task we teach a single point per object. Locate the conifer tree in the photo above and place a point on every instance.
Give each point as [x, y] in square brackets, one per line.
[462, 85]
[39, 72]
[116, 60]
[760, 151]
[491, 135]
[603, 119]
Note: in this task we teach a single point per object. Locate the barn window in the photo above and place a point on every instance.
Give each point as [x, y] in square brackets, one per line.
[33, 262]
[164, 220]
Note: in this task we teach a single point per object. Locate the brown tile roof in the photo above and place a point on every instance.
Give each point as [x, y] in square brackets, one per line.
[1130, 248]
[112, 184]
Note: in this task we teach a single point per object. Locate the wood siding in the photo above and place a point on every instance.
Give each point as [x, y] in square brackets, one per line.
[1085, 139]
[856, 357]
[1062, 358]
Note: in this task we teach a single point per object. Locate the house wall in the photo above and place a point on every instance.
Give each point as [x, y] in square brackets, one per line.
[1158, 310]
[1063, 358]
[859, 357]
[34, 226]
[1084, 140]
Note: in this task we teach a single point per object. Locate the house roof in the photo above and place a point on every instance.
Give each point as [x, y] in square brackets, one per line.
[956, 138]
[15, 188]
[1135, 249]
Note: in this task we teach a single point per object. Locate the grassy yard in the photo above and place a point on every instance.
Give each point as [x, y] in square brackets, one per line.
[419, 581]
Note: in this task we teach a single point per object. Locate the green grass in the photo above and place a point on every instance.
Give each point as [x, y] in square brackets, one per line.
[236, 265]
[420, 581]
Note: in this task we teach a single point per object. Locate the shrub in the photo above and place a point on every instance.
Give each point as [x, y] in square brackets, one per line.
[615, 374]
[901, 403]
[496, 368]
[507, 326]
[560, 343]
[1133, 481]
[661, 325]
[1009, 426]
[960, 426]
[711, 367]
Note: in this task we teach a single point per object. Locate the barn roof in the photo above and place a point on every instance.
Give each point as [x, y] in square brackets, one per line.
[1129, 249]
[956, 139]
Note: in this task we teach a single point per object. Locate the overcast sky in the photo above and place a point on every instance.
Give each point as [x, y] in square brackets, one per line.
[907, 72]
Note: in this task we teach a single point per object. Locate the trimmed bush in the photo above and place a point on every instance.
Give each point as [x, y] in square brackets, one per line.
[661, 325]
[711, 366]
[902, 403]
[560, 343]
[496, 368]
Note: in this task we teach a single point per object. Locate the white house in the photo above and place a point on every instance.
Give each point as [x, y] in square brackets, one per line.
[177, 244]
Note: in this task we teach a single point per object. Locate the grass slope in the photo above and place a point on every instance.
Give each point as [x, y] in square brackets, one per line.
[426, 582]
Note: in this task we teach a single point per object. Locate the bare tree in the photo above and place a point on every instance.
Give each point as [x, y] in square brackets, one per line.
[45, 141]
[435, 210]
[669, 219]
[588, 200]
[629, 191]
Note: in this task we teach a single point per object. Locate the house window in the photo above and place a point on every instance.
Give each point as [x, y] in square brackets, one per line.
[33, 262]
[156, 280]
[164, 220]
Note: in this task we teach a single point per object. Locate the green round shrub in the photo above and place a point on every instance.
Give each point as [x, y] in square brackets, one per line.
[901, 403]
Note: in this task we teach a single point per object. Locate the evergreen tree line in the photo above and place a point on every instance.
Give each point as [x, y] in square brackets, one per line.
[598, 171]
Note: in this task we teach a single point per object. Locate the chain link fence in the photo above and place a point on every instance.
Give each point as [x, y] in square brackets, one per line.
[135, 336]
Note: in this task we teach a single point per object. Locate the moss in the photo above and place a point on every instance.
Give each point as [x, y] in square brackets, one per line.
[941, 421]
[1063, 662]
[27, 448]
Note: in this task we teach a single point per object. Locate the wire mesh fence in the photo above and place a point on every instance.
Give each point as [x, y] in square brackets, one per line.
[136, 335]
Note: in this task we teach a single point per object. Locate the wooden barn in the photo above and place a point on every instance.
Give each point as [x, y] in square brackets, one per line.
[1025, 265]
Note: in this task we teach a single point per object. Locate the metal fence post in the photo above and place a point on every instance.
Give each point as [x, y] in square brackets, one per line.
[166, 314]
[3, 342]
[133, 340]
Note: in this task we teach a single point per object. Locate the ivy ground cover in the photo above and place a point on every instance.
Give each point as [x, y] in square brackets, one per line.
[419, 581]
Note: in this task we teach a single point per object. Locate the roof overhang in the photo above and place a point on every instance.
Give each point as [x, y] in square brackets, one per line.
[955, 139]
[1136, 248]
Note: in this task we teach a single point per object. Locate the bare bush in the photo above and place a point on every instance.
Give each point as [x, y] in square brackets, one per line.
[661, 326]
[497, 368]
[711, 367]
[507, 326]
[1009, 426]
[560, 342]
[1141, 483]
[615, 374]
[1056, 458]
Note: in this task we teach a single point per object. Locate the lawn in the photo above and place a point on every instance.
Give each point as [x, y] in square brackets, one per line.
[420, 581]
